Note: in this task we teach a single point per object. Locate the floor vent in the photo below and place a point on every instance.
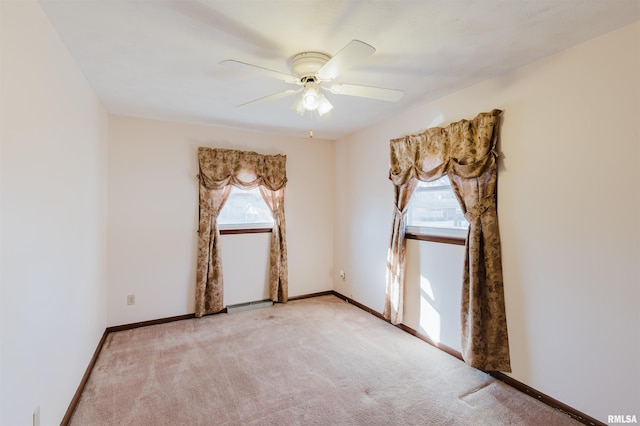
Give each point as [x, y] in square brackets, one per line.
[250, 305]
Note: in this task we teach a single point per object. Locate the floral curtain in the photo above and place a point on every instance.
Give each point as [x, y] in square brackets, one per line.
[396, 257]
[220, 169]
[466, 152]
[209, 283]
[278, 273]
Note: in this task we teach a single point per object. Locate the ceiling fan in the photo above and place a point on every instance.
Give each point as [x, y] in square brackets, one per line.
[313, 73]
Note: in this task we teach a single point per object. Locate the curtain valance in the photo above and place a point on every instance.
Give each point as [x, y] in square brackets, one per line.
[464, 148]
[245, 169]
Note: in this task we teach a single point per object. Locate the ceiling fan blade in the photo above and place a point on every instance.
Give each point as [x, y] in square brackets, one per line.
[391, 95]
[265, 71]
[272, 97]
[353, 53]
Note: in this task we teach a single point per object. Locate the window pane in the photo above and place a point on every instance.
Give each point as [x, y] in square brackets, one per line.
[245, 206]
[434, 205]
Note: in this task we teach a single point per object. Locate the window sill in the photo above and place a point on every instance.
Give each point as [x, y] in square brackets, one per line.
[245, 231]
[436, 238]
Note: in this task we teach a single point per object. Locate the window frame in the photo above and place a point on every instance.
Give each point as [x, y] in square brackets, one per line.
[246, 227]
[243, 230]
[444, 239]
[432, 233]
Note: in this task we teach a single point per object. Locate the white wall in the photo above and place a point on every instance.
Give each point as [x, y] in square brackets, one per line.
[568, 205]
[246, 280]
[53, 203]
[153, 210]
[433, 291]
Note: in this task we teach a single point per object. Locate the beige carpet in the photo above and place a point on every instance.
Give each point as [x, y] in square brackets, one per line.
[318, 361]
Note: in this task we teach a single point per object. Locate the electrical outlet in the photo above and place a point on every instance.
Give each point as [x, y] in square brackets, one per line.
[343, 275]
[131, 299]
[36, 416]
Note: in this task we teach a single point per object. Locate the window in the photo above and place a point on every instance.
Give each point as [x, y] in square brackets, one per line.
[245, 209]
[434, 211]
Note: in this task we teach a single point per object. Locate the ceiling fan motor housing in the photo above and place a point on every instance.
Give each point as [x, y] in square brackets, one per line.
[307, 64]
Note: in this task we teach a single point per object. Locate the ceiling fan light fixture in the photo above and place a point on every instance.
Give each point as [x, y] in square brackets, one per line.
[310, 98]
[298, 106]
[324, 106]
[312, 101]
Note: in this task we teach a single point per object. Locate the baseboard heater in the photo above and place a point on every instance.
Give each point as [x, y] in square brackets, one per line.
[249, 305]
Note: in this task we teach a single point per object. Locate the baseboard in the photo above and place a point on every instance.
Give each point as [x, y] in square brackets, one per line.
[422, 337]
[546, 399]
[83, 381]
[310, 295]
[571, 412]
[359, 305]
[131, 326]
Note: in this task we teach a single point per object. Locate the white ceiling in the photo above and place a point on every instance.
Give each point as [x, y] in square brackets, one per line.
[160, 58]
